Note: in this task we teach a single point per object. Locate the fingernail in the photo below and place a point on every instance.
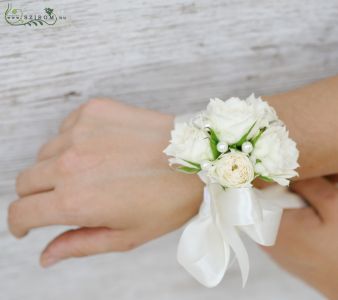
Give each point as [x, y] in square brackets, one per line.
[49, 261]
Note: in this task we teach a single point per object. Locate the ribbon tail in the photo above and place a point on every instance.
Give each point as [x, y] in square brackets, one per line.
[231, 235]
[272, 201]
[265, 231]
[282, 197]
[201, 249]
[227, 211]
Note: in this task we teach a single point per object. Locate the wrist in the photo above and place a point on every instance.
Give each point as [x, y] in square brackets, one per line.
[312, 135]
[327, 286]
[323, 277]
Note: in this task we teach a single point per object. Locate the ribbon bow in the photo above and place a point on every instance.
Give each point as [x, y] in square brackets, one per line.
[204, 247]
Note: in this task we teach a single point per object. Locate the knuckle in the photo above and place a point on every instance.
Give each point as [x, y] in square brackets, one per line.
[68, 160]
[66, 205]
[92, 104]
[70, 205]
[18, 183]
[77, 133]
[12, 213]
[129, 245]
[97, 105]
[330, 195]
[42, 151]
[13, 219]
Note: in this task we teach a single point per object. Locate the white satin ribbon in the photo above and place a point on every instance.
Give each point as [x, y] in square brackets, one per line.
[204, 247]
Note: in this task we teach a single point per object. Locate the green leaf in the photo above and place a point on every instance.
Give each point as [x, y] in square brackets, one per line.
[198, 166]
[258, 161]
[234, 146]
[41, 23]
[214, 150]
[244, 137]
[36, 24]
[189, 170]
[213, 143]
[267, 179]
[255, 139]
[213, 135]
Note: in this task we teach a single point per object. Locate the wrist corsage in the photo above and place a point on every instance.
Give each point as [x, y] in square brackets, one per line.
[229, 145]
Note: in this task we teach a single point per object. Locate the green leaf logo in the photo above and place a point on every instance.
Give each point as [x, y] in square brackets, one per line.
[18, 17]
[49, 11]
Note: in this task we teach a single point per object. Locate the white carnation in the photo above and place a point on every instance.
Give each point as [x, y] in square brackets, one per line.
[189, 143]
[233, 118]
[233, 169]
[276, 154]
[265, 114]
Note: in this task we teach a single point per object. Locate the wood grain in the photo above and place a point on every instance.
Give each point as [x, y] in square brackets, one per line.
[165, 55]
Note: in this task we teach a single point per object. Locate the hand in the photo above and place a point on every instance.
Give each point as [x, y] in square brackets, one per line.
[307, 243]
[105, 173]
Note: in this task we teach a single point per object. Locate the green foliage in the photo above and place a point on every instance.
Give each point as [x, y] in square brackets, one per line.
[244, 137]
[255, 139]
[198, 166]
[267, 179]
[49, 11]
[213, 143]
[188, 170]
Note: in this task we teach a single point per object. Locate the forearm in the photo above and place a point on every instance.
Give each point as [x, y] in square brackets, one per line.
[310, 113]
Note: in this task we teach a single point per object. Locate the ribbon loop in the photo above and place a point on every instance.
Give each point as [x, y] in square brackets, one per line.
[236, 206]
[204, 247]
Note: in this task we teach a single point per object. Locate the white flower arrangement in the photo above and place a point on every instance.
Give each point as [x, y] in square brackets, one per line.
[229, 145]
[234, 142]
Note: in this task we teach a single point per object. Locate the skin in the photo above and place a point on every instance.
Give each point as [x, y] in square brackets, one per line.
[310, 114]
[307, 245]
[90, 177]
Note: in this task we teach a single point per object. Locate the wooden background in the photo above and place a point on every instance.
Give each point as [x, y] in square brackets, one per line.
[166, 55]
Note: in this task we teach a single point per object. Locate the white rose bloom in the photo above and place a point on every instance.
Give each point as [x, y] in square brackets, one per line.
[277, 154]
[264, 112]
[233, 169]
[233, 118]
[230, 119]
[189, 143]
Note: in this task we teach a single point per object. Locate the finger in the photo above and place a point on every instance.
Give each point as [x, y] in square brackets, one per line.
[54, 147]
[38, 178]
[85, 242]
[34, 211]
[295, 225]
[333, 178]
[321, 194]
[261, 184]
[71, 119]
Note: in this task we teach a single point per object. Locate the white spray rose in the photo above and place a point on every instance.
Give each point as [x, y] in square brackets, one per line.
[233, 118]
[277, 154]
[189, 143]
[265, 114]
[233, 169]
[230, 119]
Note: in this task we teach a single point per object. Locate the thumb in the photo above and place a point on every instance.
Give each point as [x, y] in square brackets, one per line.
[84, 242]
[321, 194]
[333, 178]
